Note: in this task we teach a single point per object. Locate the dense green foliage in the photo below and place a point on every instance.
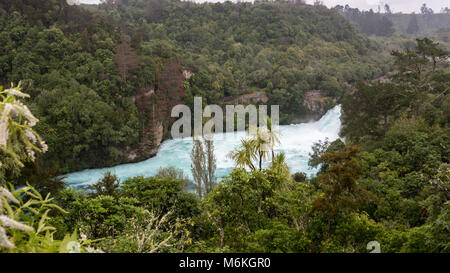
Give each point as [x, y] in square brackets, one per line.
[24, 212]
[112, 216]
[368, 22]
[280, 48]
[71, 63]
[103, 79]
[403, 127]
[72, 79]
[395, 190]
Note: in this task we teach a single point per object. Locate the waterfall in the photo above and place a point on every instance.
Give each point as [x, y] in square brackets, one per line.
[296, 142]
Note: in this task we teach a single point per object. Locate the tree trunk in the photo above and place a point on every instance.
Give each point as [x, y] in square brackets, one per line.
[260, 161]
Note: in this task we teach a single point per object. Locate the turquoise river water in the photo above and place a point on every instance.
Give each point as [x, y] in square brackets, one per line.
[296, 141]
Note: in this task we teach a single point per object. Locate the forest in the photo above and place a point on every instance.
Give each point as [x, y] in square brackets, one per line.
[99, 67]
[386, 23]
[89, 86]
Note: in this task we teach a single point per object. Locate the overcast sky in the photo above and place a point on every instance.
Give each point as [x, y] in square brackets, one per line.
[405, 6]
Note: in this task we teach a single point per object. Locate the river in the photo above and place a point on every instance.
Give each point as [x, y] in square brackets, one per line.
[296, 142]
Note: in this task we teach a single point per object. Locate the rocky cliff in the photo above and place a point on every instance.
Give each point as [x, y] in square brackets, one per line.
[317, 103]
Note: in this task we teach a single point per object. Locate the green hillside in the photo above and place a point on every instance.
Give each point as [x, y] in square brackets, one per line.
[88, 71]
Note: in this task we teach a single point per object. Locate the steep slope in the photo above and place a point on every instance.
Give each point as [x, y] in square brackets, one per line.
[82, 74]
[280, 48]
[103, 86]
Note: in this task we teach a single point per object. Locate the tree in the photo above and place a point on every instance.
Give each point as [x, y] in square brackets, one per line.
[280, 166]
[341, 192]
[320, 148]
[386, 27]
[298, 2]
[413, 25]
[318, 3]
[369, 22]
[110, 3]
[108, 185]
[19, 143]
[126, 59]
[273, 136]
[24, 220]
[299, 177]
[170, 88]
[244, 156]
[25, 224]
[372, 107]
[211, 166]
[155, 9]
[425, 10]
[198, 167]
[175, 173]
[85, 40]
[261, 145]
[152, 233]
[244, 203]
[428, 48]
[160, 195]
[203, 166]
[256, 147]
[410, 64]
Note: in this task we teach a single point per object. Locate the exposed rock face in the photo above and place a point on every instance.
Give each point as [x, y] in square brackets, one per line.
[187, 74]
[154, 103]
[148, 147]
[158, 135]
[144, 92]
[131, 155]
[317, 103]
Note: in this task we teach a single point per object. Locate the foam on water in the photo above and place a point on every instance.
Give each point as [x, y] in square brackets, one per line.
[296, 142]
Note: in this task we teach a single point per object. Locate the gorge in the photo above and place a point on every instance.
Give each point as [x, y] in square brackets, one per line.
[296, 141]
